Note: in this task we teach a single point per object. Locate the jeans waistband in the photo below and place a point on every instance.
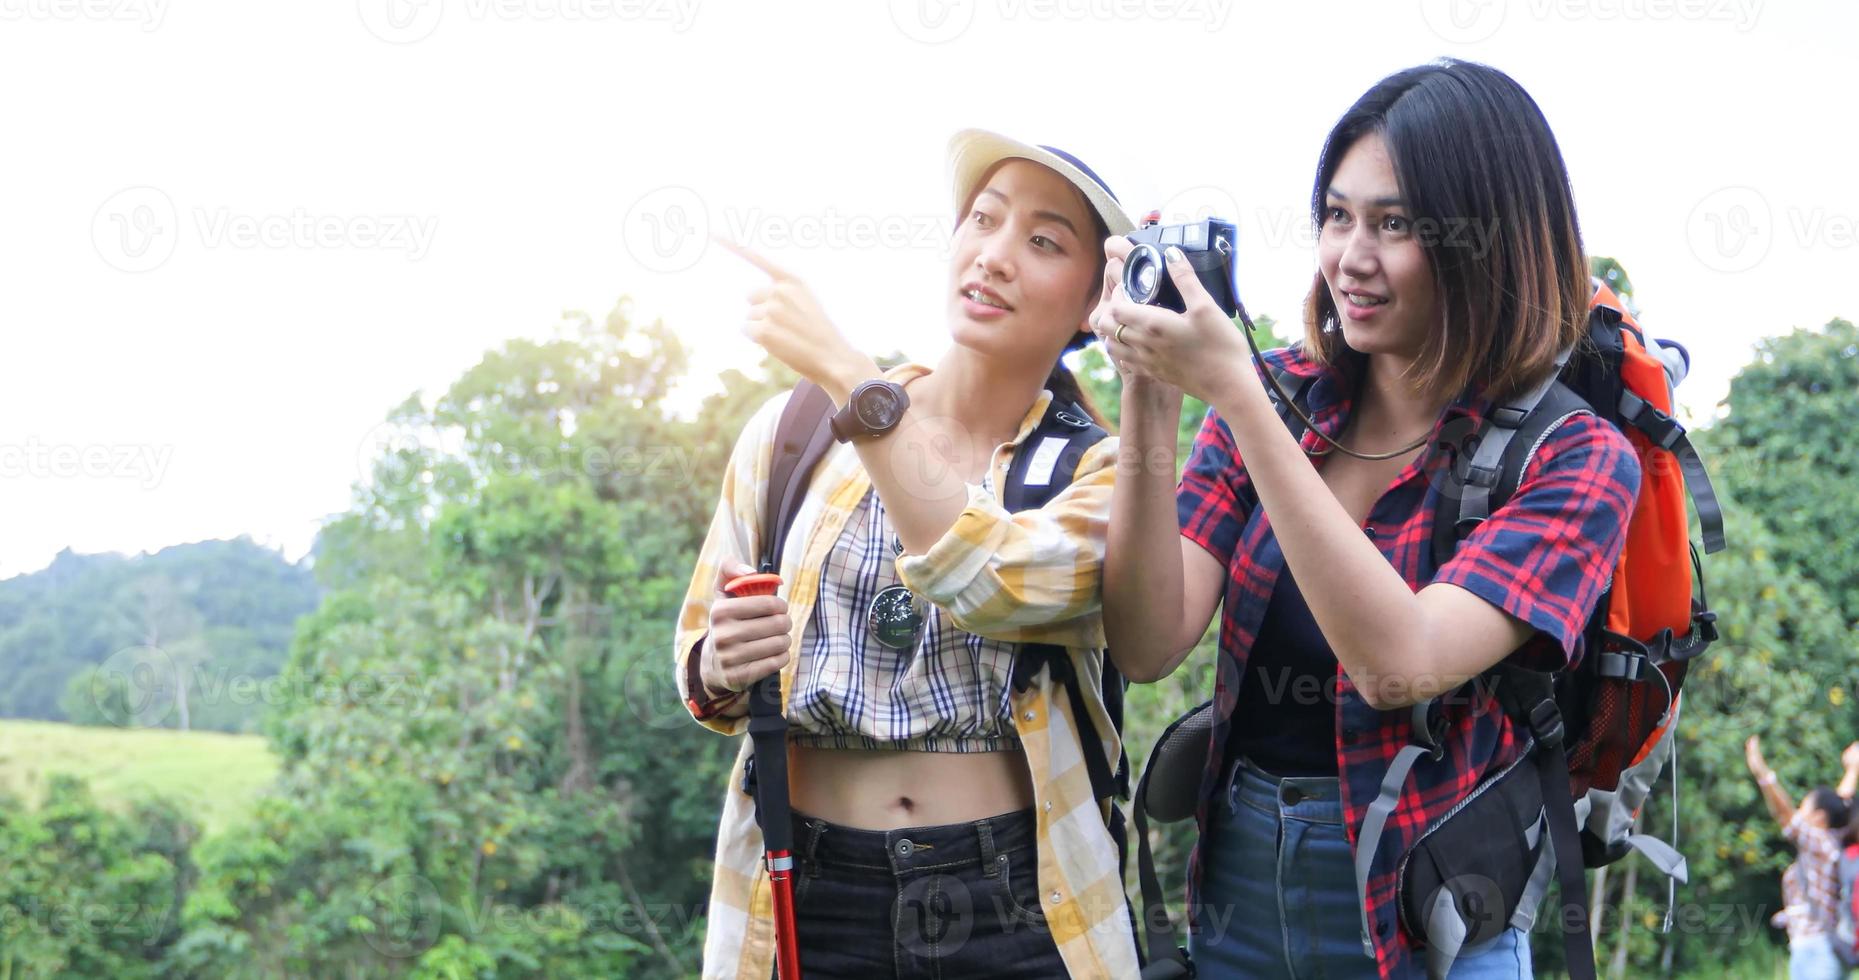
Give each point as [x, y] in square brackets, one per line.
[1313, 799]
[933, 848]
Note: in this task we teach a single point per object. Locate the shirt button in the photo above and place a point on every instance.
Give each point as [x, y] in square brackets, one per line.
[1370, 531]
[1028, 716]
[1056, 899]
[1048, 806]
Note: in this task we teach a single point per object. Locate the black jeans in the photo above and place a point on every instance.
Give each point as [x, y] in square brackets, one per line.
[957, 900]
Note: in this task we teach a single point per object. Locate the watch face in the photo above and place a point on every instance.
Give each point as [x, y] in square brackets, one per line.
[878, 408]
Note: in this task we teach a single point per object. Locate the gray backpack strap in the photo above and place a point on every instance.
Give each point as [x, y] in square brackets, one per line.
[1488, 464]
[1446, 932]
[1540, 876]
[1425, 741]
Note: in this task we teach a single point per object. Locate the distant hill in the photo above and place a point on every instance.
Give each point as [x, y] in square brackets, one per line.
[182, 638]
[213, 777]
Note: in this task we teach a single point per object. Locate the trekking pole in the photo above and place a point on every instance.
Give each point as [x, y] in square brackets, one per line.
[768, 733]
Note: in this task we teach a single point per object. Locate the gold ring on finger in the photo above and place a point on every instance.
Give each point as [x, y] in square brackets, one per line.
[1119, 334]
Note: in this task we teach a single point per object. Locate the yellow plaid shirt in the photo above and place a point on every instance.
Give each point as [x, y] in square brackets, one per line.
[1033, 576]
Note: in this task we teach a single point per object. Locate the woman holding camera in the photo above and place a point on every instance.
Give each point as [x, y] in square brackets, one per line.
[1450, 276]
[942, 825]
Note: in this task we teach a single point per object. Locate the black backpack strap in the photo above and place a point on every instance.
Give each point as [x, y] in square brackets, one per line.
[802, 437]
[1299, 390]
[1668, 433]
[1032, 656]
[1047, 460]
[1528, 696]
[1167, 960]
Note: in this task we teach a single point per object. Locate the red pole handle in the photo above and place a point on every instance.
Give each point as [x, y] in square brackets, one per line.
[758, 583]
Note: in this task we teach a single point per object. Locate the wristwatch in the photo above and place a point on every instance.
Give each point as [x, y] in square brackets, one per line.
[873, 409]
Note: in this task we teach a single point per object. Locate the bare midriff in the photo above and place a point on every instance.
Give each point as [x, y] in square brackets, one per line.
[876, 789]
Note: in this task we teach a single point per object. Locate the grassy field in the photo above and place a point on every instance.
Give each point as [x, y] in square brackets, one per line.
[213, 776]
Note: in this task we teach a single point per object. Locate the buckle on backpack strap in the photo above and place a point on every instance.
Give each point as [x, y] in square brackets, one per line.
[1509, 417]
[1546, 723]
[1470, 475]
[1662, 429]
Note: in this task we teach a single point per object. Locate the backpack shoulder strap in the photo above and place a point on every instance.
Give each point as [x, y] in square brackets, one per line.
[1047, 461]
[802, 438]
[1486, 468]
[1299, 390]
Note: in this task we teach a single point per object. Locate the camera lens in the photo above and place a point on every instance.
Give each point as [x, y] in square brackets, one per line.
[1142, 273]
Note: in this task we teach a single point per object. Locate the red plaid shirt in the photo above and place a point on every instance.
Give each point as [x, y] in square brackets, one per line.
[1544, 557]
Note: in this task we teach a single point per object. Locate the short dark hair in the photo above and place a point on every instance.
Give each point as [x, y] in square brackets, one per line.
[1829, 802]
[1475, 160]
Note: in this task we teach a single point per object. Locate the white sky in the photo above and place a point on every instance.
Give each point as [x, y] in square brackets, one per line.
[235, 234]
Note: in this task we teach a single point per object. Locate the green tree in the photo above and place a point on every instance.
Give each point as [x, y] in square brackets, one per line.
[1785, 451]
[1610, 271]
[493, 776]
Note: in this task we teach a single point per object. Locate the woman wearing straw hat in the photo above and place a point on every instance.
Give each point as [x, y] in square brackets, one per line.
[942, 824]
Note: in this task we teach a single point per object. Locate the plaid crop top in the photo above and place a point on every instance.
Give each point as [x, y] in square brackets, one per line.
[946, 690]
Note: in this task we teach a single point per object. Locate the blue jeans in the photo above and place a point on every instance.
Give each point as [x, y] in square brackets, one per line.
[1278, 896]
[924, 903]
[1812, 958]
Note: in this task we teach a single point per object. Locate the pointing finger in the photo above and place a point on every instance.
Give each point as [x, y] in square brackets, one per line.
[756, 259]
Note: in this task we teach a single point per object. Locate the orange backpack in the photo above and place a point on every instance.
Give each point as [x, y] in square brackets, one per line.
[1611, 718]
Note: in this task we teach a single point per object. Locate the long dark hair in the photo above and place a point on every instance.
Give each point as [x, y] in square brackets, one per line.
[1063, 385]
[1488, 194]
